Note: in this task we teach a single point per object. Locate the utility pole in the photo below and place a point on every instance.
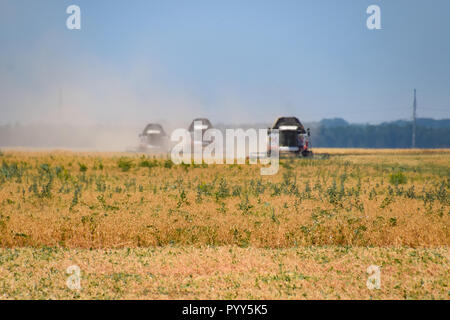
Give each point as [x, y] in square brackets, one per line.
[414, 121]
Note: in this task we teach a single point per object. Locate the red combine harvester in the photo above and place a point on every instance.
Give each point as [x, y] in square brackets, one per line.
[293, 138]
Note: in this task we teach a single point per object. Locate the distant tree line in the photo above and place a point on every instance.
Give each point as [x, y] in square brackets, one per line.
[328, 133]
[389, 135]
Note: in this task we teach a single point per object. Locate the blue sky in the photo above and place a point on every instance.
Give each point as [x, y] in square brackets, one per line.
[232, 61]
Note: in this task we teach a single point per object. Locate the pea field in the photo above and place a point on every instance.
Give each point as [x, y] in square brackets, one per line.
[141, 227]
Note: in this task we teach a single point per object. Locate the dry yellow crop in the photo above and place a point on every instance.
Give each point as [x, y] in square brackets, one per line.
[308, 232]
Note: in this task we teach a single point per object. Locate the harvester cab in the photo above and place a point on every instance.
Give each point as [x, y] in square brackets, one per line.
[293, 138]
[199, 124]
[153, 139]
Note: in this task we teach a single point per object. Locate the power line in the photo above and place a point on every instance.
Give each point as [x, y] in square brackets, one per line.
[437, 109]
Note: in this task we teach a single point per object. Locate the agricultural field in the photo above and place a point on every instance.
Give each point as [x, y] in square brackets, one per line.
[140, 227]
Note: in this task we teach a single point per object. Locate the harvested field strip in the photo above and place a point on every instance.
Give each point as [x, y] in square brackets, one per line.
[225, 273]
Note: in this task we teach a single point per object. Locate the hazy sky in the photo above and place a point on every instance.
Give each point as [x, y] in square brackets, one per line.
[233, 61]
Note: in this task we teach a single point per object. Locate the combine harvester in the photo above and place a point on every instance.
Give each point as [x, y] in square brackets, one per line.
[294, 140]
[153, 139]
[202, 124]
